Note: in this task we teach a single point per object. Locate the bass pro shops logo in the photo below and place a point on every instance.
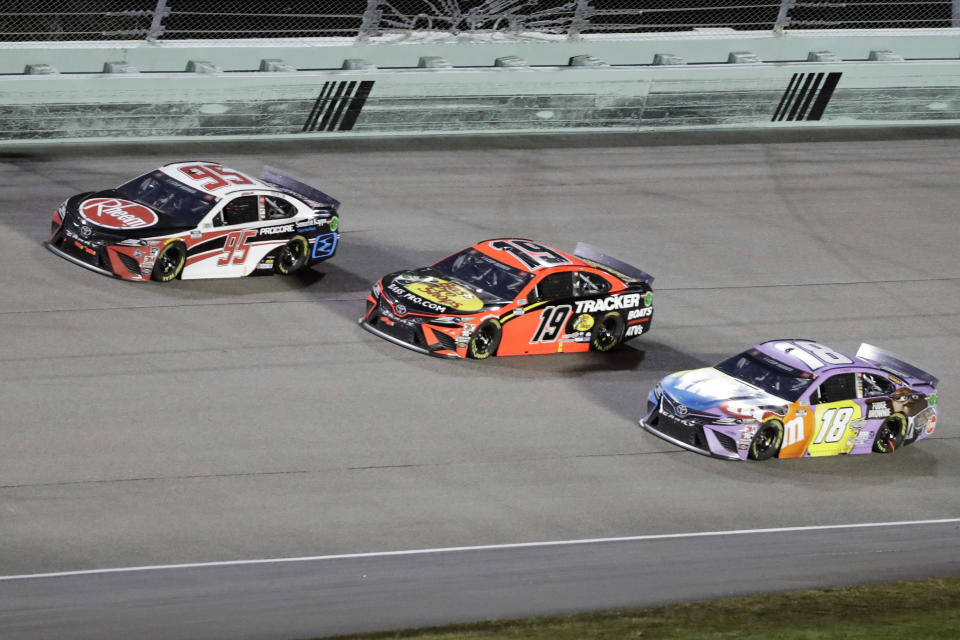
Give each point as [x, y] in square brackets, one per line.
[117, 214]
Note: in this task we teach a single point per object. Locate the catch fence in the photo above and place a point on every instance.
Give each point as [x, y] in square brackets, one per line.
[93, 20]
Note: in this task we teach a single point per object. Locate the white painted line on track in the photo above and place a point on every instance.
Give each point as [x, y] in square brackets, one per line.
[489, 547]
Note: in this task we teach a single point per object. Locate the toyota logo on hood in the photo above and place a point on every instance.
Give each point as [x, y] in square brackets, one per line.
[401, 309]
[680, 410]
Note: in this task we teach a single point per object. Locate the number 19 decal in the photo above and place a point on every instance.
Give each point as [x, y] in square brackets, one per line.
[552, 321]
[535, 256]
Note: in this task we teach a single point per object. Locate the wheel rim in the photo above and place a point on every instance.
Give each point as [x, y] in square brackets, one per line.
[606, 337]
[606, 333]
[291, 255]
[169, 262]
[888, 434]
[765, 438]
[765, 442]
[484, 342]
[484, 339]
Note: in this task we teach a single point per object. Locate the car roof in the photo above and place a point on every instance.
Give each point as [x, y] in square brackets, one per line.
[802, 354]
[212, 177]
[508, 256]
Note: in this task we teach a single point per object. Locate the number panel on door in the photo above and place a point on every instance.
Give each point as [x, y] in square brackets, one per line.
[835, 427]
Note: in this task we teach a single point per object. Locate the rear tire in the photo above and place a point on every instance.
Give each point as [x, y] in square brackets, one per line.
[292, 256]
[169, 263]
[766, 442]
[890, 434]
[485, 340]
[608, 332]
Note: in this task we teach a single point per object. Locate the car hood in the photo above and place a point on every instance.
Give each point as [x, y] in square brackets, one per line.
[431, 291]
[107, 212]
[705, 389]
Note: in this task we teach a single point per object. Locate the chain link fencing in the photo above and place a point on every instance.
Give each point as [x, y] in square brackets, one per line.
[72, 20]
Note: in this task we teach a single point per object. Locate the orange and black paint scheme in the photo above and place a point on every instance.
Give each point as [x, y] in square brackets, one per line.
[510, 297]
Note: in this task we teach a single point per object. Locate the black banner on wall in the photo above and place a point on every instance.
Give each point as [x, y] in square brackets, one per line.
[806, 96]
[338, 106]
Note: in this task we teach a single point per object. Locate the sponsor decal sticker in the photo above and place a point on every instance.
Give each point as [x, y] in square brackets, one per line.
[648, 298]
[271, 231]
[635, 330]
[115, 213]
[610, 303]
[414, 298]
[447, 293]
[645, 312]
[878, 410]
[584, 322]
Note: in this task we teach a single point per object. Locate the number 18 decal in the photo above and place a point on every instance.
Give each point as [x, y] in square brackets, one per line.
[812, 354]
[834, 424]
[552, 321]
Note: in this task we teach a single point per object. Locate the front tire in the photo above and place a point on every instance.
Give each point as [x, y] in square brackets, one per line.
[890, 434]
[766, 442]
[169, 262]
[608, 332]
[485, 340]
[292, 256]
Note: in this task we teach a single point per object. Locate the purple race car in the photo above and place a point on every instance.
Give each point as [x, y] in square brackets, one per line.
[795, 398]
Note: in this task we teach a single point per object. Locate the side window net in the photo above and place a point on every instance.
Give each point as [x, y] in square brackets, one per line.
[589, 284]
[839, 387]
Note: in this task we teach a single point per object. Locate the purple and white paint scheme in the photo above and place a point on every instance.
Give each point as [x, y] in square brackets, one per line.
[793, 399]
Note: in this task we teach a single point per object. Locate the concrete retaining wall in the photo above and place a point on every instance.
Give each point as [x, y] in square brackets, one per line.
[807, 84]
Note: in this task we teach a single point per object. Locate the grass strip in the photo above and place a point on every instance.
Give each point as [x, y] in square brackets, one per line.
[915, 610]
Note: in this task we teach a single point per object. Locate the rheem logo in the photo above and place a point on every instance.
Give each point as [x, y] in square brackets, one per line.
[114, 213]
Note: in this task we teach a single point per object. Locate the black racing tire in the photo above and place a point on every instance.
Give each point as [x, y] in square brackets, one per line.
[485, 340]
[608, 332]
[766, 442]
[292, 256]
[169, 263]
[890, 434]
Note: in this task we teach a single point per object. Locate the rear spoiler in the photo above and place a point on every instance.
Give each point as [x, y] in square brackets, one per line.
[592, 253]
[273, 176]
[889, 362]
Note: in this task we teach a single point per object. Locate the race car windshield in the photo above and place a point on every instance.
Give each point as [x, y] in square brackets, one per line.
[485, 273]
[159, 191]
[768, 373]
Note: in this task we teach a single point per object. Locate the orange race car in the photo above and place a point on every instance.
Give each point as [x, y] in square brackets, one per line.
[511, 297]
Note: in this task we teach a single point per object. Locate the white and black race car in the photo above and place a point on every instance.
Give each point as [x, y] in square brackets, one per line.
[197, 220]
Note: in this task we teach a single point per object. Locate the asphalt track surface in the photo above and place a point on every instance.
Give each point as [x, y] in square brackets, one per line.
[216, 421]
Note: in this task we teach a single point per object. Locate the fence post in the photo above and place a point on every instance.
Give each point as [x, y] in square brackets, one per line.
[581, 17]
[370, 25]
[783, 17]
[159, 13]
[955, 14]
